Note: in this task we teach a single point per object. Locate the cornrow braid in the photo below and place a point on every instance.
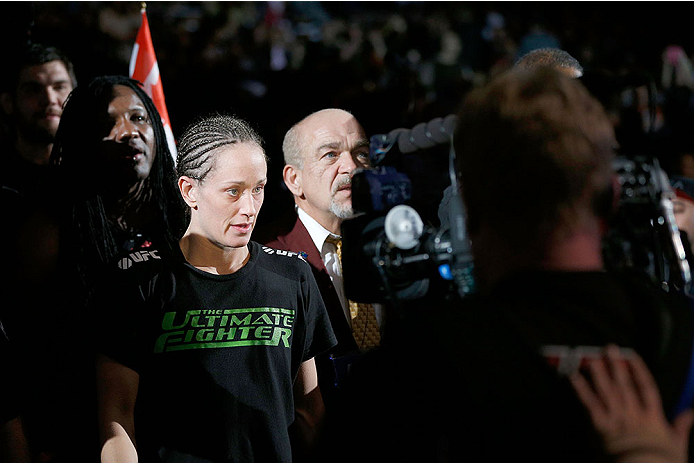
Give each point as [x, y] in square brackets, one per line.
[203, 138]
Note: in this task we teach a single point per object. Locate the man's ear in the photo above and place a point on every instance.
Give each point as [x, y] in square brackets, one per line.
[188, 188]
[292, 178]
[6, 103]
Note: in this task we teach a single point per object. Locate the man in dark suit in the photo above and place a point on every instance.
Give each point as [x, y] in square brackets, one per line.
[321, 152]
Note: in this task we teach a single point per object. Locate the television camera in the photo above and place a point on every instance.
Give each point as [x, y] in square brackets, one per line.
[391, 254]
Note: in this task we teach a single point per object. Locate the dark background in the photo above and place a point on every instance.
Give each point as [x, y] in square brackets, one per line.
[392, 64]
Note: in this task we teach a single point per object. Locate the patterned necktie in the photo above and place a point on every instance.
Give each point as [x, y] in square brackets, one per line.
[364, 324]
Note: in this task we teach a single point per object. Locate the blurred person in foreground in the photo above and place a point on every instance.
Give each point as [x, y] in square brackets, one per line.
[495, 385]
[554, 58]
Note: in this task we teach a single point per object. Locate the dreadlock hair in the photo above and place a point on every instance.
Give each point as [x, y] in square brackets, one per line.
[76, 160]
[202, 140]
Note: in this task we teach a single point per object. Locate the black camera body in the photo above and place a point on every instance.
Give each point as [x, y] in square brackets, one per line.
[390, 254]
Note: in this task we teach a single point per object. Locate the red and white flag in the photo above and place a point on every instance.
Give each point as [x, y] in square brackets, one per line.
[144, 67]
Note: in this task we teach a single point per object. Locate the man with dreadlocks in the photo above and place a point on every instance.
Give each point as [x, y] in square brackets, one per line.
[117, 193]
[122, 181]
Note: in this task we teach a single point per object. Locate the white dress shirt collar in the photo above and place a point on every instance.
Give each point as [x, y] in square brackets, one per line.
[317, 231]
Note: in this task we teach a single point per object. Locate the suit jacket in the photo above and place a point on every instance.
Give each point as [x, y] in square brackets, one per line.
[297, 239]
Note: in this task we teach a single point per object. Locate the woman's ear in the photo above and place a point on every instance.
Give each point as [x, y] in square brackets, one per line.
[188, 188]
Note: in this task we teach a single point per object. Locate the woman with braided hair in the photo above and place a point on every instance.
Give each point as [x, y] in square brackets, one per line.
[215, 340]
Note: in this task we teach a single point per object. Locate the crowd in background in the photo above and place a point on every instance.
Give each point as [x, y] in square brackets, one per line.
[393, 64]
[393, 58]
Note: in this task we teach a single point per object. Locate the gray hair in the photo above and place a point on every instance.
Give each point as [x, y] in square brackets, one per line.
[291, 147]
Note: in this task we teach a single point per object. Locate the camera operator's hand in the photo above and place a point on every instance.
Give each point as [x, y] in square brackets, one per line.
[625, 407]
